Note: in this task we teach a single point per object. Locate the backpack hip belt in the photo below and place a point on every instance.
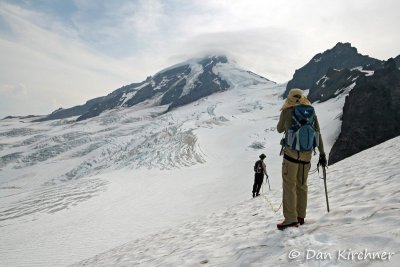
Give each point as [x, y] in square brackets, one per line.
[295, 160]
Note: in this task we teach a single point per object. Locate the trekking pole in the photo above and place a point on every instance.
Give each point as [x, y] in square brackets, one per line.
[326, 190]
[269, 186]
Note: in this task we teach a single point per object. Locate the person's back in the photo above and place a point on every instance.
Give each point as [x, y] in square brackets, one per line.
[259, 171]
[296, 161]
[285, 123]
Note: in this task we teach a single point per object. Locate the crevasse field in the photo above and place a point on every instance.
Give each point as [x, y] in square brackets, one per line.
[141, 187]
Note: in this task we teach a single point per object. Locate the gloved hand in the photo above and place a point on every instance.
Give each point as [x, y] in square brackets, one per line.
[322, 160]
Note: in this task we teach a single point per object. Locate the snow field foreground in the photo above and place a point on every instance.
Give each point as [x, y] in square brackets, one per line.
[362, 229]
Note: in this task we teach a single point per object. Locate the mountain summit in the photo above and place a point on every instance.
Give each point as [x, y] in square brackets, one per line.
[341, 56]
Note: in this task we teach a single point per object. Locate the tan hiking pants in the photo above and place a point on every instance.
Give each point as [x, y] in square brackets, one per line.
[295, 189]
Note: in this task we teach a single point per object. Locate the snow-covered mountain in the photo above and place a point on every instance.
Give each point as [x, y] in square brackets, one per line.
[175, 86]
[71, 189]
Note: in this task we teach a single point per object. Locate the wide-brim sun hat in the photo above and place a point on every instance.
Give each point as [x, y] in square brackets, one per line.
[295, 97]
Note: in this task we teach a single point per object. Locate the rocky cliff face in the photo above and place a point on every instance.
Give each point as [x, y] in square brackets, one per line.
[397, 60]
[333, 83]
[371, 114]
[341, 56]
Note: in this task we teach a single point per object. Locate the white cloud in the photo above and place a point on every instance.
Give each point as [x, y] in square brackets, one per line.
[255, 49]
[13, 90]
[53, 66]
[149, 17]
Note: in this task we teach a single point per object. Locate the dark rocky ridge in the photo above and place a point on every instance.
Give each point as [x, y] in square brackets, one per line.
[341, 56]
[206, 84]
[21, 117]
[74, 111]
[397, 60]
[371, 113]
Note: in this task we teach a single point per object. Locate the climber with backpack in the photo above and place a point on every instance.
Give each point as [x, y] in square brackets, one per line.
[302, 135]
[259, 171]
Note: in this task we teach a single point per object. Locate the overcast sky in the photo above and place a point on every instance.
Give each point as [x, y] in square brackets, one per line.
[60, 53]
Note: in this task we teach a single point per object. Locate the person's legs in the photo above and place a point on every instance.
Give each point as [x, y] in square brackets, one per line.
[289, 199]
[302, 189]
[260, 179]
[255, 185]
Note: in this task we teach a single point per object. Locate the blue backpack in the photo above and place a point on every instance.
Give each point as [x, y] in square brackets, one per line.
[302, 135]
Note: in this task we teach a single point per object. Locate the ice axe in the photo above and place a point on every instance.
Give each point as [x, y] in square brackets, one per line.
[267, 178]
[326, 190]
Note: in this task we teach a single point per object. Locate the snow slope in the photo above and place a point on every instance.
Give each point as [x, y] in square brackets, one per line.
[71, 190]
[364, 201]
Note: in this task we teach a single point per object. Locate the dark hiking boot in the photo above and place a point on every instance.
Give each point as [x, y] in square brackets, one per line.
[283, 225]
[300, 220]
[257, 194]
[254, 195]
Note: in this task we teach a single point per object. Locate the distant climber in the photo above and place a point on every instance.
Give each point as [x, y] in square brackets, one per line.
[302, 136]
[259, 171]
